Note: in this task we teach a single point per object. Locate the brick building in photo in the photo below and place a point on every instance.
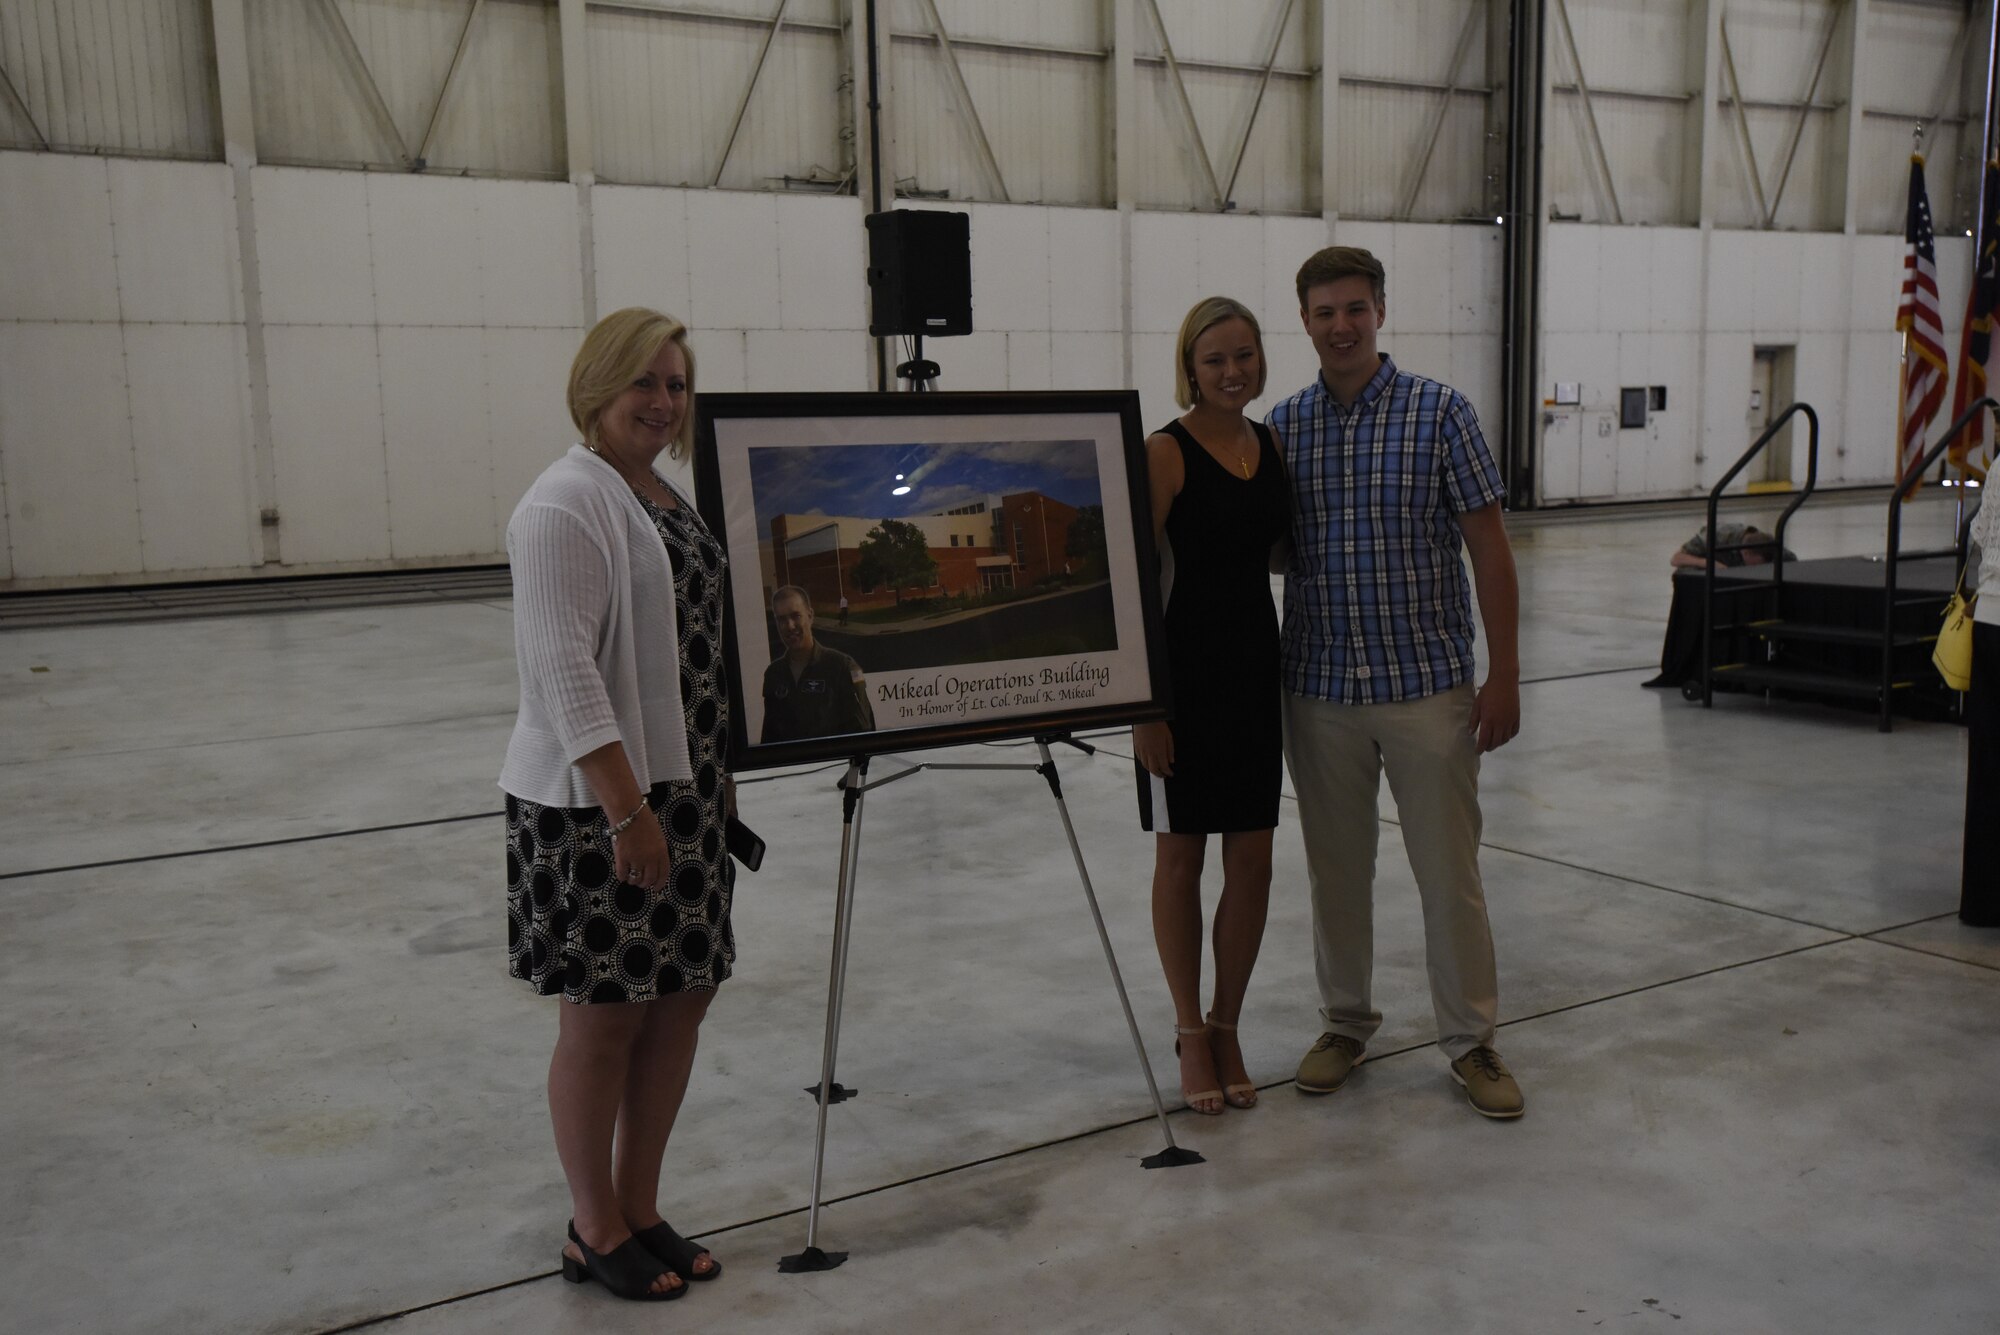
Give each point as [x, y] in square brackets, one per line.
[997, 542]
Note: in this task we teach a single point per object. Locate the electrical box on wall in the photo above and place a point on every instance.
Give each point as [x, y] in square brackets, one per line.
[1632, 407]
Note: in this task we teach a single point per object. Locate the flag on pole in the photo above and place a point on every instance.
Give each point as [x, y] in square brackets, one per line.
[1920, 318]
[1968, 453]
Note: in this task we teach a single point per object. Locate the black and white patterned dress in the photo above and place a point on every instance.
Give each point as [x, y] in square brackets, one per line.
[572, 928]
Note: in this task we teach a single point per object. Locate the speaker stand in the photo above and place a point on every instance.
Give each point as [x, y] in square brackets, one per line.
[922, 375]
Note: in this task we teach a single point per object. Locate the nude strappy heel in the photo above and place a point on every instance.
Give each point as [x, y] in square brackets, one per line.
[1236, 1096]
[1201, 1096]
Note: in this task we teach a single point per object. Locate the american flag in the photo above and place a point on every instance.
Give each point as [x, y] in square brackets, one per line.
[1975, 345]
[1920, 316]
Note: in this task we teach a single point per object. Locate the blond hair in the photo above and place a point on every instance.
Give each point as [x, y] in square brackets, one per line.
[1206, 315]
[616, 352]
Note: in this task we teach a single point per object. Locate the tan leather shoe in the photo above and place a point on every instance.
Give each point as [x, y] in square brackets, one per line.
[1488, 1085]
[1325, 1068]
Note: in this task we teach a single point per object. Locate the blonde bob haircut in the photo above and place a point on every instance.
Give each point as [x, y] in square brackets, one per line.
[616, 352]
[1206, 315]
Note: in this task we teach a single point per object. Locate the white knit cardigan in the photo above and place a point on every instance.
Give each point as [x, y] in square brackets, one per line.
[594, 635]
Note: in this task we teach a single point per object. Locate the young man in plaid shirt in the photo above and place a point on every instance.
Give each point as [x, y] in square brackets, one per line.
[1392, 479]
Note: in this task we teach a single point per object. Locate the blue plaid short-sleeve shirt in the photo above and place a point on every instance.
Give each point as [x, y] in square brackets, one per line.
[1377, 604]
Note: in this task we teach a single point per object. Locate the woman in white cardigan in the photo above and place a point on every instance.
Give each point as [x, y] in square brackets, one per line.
[1979, 893]
[618, 882]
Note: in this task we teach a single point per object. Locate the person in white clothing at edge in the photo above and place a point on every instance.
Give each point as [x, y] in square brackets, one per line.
[618, 883]
[1979, 901]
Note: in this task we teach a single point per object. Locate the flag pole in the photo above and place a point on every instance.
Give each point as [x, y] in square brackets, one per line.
[1903, 362]
[1987, 126]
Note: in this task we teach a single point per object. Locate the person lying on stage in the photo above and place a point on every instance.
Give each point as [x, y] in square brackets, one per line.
[1741, 545]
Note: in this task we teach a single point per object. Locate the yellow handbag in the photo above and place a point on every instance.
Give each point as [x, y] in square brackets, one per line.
[1953, 651]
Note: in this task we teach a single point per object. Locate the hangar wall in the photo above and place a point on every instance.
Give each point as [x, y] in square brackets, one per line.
[243, 331]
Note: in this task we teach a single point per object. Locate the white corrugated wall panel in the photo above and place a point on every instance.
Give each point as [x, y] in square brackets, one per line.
[1775, 44]
[1064, 23]
[1043, 116]
[326, 434]
[530, 255]
[190, 397]
[1910, 61]
[527, 383]
[66, 450]
[1409, 40]
[1803, 205]
[175, 228]
[664, 89]
[1280, 163]
[435, 429]
[1238, 33]
[57, 254]
[1010, 267]
[503, 115]
[1381, 137]
[640, 246]
[1625, 47]
[1382, 128]
[309, 103]
[1628, 45]
[1646, 145]
[822, 263]
[732, 241]
[313, 246]
[1084, 282]
[121, 76]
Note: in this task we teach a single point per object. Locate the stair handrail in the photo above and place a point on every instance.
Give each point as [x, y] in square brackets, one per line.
[1892, 553]
[1778, 557]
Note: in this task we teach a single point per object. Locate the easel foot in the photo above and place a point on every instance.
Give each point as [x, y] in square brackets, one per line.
[811, 1259]
[836, 1093]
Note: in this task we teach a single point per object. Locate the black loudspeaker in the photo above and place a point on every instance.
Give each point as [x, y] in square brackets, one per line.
[919, 273]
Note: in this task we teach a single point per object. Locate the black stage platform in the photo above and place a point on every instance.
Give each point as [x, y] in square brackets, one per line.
[1841, 595]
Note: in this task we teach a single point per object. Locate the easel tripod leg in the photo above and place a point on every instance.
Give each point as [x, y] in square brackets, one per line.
[827, 1092]
[1173, 1156]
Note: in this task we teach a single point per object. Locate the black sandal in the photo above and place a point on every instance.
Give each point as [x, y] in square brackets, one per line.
[628, 1270]
[677, 1253]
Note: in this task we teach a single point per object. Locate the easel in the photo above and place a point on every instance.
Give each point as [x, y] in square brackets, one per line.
[854, 785]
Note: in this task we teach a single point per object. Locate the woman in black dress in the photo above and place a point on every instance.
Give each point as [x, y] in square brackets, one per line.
[618, 882]
[1220, 506]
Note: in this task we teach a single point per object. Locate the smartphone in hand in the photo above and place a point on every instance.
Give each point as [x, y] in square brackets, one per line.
[743, 844]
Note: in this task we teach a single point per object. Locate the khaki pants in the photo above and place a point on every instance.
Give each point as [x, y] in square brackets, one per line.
[1337, 754]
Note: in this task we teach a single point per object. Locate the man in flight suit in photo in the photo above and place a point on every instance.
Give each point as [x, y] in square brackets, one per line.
[809, 689]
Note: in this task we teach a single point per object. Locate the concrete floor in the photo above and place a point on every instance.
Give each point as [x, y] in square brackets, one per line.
[265, 1070]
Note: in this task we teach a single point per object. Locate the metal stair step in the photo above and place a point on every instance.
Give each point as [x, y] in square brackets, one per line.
[1800, 679]
[1809, 632]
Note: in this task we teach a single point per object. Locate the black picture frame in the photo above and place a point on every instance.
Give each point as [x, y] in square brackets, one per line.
[1039, 610]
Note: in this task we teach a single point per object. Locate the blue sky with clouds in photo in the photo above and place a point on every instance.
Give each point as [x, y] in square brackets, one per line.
[856, 480]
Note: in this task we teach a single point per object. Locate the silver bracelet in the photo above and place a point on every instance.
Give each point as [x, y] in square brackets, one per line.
[626, 824]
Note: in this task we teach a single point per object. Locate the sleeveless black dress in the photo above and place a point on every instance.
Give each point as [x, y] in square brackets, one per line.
[1222, 646]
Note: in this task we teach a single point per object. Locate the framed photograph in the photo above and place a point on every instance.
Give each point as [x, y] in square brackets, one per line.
[919, 570]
